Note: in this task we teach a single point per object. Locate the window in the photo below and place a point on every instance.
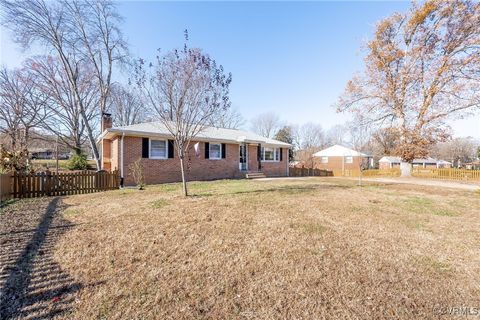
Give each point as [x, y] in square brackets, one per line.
[348, 159]
[270, 154]
[158, 149]
[324, 159]
[215, 151]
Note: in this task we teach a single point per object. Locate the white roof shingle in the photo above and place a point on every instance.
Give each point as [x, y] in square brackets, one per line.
[339, 151]
[208, 134]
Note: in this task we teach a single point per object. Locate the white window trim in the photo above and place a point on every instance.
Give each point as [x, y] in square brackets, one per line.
[322, 158]
[274, 154]
[150, 149]
[209, 153]
[348, 162]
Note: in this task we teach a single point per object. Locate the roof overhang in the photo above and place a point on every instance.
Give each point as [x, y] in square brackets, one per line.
[113, 132]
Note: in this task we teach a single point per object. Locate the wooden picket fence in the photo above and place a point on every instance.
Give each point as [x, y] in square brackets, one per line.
[393, 172]
[32, 185]
[447, 174]
[309, 172]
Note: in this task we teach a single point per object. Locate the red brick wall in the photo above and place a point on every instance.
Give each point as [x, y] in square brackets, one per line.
[335, 163]
[106, 154]
[278, 168]
[115, 161]
[198, 168]
[383, 165]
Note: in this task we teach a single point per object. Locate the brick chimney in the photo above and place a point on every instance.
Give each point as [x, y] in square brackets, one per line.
[106, 121]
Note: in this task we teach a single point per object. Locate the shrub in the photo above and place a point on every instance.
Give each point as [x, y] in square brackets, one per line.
[77, 162]
[13, 160]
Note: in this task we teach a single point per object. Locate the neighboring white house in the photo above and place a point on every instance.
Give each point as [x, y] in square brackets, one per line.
[338, 157]
[392, 162]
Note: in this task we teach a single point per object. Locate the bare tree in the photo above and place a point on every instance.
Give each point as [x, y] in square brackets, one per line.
[457, 151]
[311, 136]
[336, 135]
[266, 124]
[126, 106]
[308, 139]
[78, 32]
[186, 90]
[421, 69]
[22, 107]
[65, 119]
[229, 119]
[359, 133]
[384, 141]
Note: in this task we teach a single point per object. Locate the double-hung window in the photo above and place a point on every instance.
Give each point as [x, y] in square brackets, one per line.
[158, 149]
[270, 154]
[324, 159]
[348, 159]
[215, 151]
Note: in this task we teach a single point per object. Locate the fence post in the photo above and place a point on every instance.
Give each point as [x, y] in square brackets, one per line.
[48, 182]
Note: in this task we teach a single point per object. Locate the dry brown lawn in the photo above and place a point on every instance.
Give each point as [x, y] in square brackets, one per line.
[318, 248]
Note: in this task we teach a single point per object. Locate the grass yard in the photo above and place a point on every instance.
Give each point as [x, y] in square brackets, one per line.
[316, 248]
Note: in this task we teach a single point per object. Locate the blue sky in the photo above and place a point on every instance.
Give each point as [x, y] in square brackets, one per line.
[292, 58]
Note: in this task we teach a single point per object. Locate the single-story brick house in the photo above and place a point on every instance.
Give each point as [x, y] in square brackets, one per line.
[393, 162]
[340, 158]
[216, 153]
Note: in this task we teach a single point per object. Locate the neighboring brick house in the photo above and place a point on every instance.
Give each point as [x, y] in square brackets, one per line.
[389, 162]
[339, 158]
[216, 153]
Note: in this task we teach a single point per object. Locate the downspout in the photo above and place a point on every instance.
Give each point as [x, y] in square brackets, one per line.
[287, 157]
[121, 160]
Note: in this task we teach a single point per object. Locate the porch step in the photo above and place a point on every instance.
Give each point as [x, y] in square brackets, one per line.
[255, 175]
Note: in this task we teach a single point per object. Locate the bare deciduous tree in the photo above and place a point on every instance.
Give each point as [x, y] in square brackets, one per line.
[126, 106]
[384, 141]
[65, 119]
[336, 135]
[22, 106]
[421, 69]
[229, 119]
[308, 139]
[457, 151]
[311, 136]
[266, 124]
[78, 32]
[186, 90]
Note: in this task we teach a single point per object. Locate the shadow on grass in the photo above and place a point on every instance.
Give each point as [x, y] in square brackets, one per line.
[32, 283]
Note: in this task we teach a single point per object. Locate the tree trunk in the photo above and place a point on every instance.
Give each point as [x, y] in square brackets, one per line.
[91, 139]
[405, 168]
[184, 180]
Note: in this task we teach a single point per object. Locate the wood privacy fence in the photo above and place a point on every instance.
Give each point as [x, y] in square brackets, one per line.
[31, 185]
[5, 186]
[309, 172]
[447, 174]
